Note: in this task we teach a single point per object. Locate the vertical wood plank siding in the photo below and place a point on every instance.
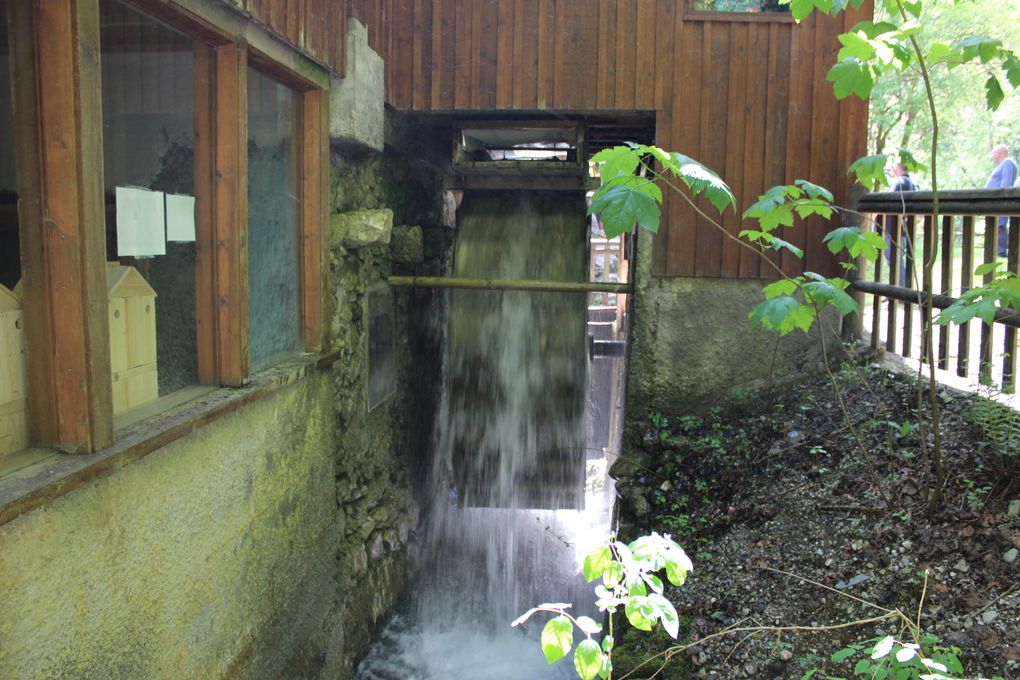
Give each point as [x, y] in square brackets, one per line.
[316, 27]
[747, 98]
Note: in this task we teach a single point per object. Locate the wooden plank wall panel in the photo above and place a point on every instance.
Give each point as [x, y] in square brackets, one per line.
[823, 142]
[732, 143]
[645, 58]
[665, 41]
[712, 149]
[776, 115]
[486, 40]
[525, 87]
[688, 88]
[505, 55]
[753, 179]
[546, 52]
[605, 84]
[746, 98]
[626, 18]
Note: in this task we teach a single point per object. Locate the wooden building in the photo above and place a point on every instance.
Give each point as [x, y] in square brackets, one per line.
[744, 92]
[231, 522]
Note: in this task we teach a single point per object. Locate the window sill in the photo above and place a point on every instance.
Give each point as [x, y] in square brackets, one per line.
[747, 17]
[32, 477]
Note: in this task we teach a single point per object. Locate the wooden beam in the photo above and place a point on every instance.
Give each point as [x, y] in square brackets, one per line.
[314, 210]
[230, 213]
[510, 284]
[205, 198]
[58, 132]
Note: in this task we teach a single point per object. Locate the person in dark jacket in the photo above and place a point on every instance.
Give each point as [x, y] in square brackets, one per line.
[901, 179]
[901, 182]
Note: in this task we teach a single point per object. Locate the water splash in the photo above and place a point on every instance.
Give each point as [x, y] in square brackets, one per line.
[511, 447]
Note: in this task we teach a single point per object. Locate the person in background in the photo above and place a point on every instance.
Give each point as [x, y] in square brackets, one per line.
[901, 179]
[901, 182]
[1002, 177]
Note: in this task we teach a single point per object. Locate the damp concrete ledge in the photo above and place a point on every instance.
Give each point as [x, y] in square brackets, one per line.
[33, 477]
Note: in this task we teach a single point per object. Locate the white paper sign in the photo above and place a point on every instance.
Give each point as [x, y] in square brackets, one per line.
[141, 225]
[180, 218]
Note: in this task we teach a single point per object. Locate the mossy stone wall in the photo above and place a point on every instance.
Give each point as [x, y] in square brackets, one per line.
[267, 544]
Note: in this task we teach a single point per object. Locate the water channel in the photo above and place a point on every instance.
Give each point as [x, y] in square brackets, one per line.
[521, 455]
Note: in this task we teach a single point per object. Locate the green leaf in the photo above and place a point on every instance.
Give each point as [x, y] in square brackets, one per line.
[620, 206]
[882, 647]
[588, 625]
[607, 667]
[987, 268]
[843, 654]
[868, 244]
[780, 287]
[636, 587]
[653, 581]
[557, 638]
[783, 314]
[667, 614]
[640, 613]
[851, 76]
[862, 666]
[800, 9]
[676, 575]
[961, 312]
[994, 95]
[617, 161]
[908, 159]
[814, 190]
[642, 184]
[830, 292]
[1011, 65]
[780, 244]
[979, 47]
[613, 574]
[588, 659]
[870, 170]
[701, 180]
[943, 53]
[596, 561]
[607, 643]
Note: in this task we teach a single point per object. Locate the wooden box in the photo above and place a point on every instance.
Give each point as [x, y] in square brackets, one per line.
[132, 303]
[13, 416]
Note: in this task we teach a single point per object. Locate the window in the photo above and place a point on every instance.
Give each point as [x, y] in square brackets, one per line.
[136, 181]
[746, 9]
[273, 213]
[10, 250]
[148, 159]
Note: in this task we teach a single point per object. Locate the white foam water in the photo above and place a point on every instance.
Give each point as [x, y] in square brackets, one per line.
[511, 447]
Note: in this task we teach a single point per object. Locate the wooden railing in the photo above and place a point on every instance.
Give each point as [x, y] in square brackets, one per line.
[967, 235]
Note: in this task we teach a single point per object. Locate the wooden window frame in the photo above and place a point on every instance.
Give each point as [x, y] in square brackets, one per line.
[313, 200]
[55, 64]
[692, 14]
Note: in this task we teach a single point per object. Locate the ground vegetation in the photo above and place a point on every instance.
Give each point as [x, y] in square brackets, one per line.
[793, 541]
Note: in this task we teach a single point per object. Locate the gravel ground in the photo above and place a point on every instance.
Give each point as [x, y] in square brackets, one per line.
[791, 522]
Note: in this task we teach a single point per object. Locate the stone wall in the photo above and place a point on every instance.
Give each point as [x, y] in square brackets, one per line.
[383, 454]
[270, 542]
[692, 342]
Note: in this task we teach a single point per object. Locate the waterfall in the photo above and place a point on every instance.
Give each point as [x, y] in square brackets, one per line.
[507, 529]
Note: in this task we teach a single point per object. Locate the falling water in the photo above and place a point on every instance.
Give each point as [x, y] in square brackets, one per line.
[507, 528]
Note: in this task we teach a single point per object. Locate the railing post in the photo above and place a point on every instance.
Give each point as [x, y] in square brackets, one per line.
[853, 325]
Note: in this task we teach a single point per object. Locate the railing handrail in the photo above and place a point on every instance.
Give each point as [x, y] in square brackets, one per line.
[951, 202]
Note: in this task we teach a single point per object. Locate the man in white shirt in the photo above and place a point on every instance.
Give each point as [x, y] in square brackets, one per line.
[1002, 177]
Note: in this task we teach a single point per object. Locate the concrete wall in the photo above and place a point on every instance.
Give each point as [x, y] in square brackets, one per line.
[268, 543]
[692, 342]
[210, 557]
